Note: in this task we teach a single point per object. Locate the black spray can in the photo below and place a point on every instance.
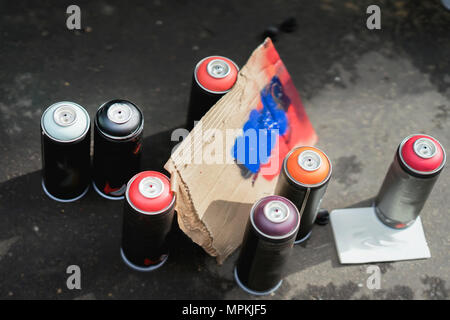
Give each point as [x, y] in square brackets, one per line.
[303, 179]
[213, 77]
[268, 241]
[147, 220]
[118, 132]
[65, 147]
[416, 167]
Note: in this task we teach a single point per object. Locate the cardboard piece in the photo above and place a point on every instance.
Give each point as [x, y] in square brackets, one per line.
[214, 196]
[361, 237]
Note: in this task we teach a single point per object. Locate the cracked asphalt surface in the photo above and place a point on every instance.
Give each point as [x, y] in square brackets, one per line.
[363, 91]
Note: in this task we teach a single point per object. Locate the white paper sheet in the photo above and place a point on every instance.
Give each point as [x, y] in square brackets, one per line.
[361, 237]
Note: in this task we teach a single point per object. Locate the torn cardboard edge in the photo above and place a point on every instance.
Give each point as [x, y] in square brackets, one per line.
[189, 222]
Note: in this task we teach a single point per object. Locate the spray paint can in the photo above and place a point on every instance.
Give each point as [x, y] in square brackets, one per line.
[213, 77]
[118, 132]
[304, 179]
[65, 147]
[416, 167]
[267, 245]
[147, 219]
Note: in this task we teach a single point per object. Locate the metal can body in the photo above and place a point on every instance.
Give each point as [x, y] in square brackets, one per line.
[213, 77]
[147, 220]
[304, 179]
[267, 245]
[409, 181]
[65, 148]
[118, 134]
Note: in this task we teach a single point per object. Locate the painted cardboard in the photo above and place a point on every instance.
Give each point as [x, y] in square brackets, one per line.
[214, 198]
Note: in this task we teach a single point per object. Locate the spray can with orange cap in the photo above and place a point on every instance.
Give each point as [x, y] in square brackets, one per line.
[303, 179]
[416, 167]
[213, 77]
[147, 219]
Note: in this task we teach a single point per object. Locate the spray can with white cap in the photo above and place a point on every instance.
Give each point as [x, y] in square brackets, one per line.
[147, 220]
[304, 179]
[213, 77]
[118, 132]
[416, 167]
[65, 146]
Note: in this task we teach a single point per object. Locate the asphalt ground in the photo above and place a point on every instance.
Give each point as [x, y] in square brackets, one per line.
[364, 91]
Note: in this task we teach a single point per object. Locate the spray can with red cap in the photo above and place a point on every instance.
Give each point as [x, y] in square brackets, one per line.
[118, 132]
[303, 179]
[213, 77]
[267, 245]
[416, 167]
[147, 219]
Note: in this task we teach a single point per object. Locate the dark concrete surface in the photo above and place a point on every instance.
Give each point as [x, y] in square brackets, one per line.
[363, 90]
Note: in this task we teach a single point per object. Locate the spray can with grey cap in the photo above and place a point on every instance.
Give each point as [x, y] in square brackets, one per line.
[213, 77]
[118, 132]
[65, 147]
[417, 164]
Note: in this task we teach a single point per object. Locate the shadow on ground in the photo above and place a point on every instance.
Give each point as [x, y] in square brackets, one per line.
[41, 238]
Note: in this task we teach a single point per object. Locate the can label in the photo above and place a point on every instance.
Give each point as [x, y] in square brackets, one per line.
[115, 162]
